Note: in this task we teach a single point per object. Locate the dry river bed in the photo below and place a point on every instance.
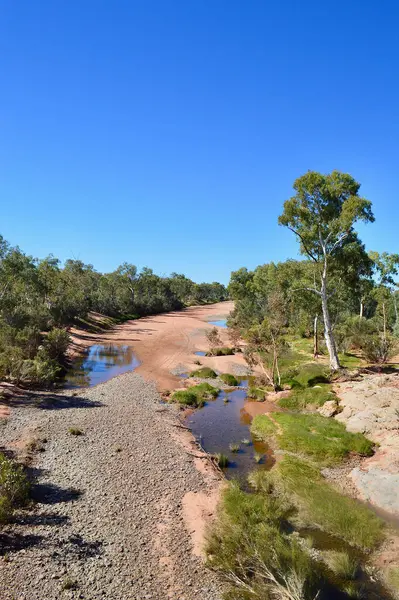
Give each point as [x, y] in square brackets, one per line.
[116, 507]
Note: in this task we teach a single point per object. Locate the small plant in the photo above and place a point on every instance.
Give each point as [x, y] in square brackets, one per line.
[204, 373]
[226, 400]
[234, 447]
[229, 379]
[212, 335]
[246, 442]
[14, 487]
[75, 431]
[258, 457]
[197, 362]
[69, 584]
[222, 460]
[196, 395]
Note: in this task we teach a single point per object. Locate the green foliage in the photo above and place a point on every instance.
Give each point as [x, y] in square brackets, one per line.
[222, 460]
[196, 395]
[235, 447]
[257, 393]
[322, 506]
[248, 546]
[39, 299]
[229, 379]
[342, 564]
[324, 440]
[204, 373]
[56, 344]
[14, 487]
[302, 398]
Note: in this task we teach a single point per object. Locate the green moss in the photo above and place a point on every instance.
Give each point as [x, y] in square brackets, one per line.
[322, 506]
[350, 361]
[256, 393]
[324, 440]
[204, 373]
[229, 379]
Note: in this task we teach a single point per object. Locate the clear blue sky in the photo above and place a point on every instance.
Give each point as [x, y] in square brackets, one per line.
[168, 133]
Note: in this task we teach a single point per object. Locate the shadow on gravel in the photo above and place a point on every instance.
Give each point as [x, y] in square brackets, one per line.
[79, 547]
[15, 542]
[42, 519]
[46, 400]
[49, 493]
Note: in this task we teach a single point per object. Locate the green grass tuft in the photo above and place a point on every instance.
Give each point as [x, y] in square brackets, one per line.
[324, 440]
[342, 564]
[300, 398]
[229, 379]
[204, 373]
[234, 447]
[196, 395]
[222, 460]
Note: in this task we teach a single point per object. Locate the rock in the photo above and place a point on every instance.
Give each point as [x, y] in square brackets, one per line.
[329, 408]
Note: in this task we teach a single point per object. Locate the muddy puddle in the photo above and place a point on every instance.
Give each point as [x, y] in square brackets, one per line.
[225, 422]
[99, 363]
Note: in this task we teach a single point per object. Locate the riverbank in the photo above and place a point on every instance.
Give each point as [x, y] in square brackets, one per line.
[165, 342]
[113, 505]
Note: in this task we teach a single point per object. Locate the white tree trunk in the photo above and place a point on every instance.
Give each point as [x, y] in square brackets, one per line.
[328, 335]
[315, 338]
[361, 308]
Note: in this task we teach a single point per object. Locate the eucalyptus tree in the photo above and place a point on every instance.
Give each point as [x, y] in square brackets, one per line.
[322, 214]
[386, 266]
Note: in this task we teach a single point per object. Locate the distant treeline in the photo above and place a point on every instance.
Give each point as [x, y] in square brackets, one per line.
[39, 299]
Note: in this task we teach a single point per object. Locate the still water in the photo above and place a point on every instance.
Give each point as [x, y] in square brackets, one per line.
[219, 323]
[225, 421]
[99, 363]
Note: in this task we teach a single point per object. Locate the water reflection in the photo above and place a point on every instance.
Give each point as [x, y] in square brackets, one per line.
[99, 363]
[225, 421]
[219, 323]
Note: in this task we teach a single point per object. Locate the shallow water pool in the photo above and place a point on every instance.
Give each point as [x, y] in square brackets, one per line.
[219, 323]
[99, 363]
[219, 424]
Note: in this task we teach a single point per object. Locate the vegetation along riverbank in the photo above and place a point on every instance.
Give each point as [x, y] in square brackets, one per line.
[289, 380]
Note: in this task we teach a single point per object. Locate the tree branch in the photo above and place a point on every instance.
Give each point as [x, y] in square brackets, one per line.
[306, 289]
[303, 243]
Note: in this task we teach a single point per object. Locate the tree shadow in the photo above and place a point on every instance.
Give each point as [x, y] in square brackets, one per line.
[49, 493]
[46, 400]
[14, 542]
[79, 547]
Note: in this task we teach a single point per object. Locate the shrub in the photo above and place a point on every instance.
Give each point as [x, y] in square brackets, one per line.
[14, 487]
[204, 373]
[56, 344]
[320, 505]
[324, 440]
[378, 350]
[229, 379]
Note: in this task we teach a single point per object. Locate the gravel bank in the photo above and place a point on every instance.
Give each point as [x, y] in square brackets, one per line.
[108, 522]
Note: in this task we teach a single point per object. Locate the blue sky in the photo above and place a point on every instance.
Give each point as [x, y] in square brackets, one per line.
[168, 133]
